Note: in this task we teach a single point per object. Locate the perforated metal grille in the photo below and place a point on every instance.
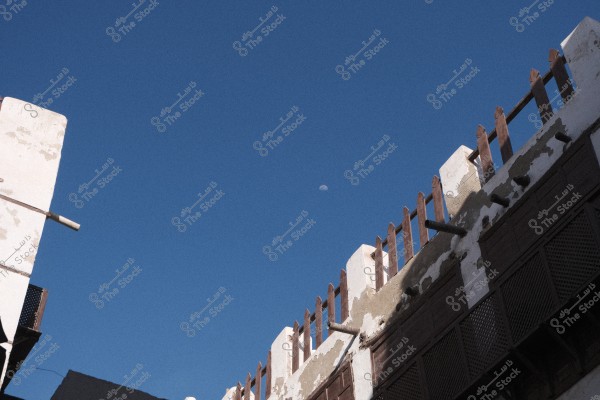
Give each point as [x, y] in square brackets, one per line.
[527, 297]
[485, 336]
[30, 306]
[407, 387]
[573, 256]
[444, 368]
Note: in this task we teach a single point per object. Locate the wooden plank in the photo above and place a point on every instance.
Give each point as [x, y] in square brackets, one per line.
[330, 306]
[409, 250]
[378, 264]
[392, 251]
[421, 217]
[344, 295]
[485, 155]
[247, 388]
[540, 95]
[306, 335]
[436, 193]
[319, 322]
[515, 111]
[557, 66]
[258, 379]
[268, 378]
[295, 345]
[39, 313]
[238, 392]
[506, 149]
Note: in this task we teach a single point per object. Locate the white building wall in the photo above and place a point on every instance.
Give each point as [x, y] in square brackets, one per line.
[31, 140]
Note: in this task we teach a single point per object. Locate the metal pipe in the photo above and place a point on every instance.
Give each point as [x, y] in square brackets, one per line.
[503, 201]
[522, 180]
[439, 226]
[55, 217]
[562, 137]
[334, 326]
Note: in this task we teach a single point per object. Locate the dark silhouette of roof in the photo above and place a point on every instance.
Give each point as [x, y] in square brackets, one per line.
[78, 386]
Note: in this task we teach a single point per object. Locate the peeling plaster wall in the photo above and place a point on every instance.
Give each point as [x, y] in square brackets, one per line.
[31, 140]
[371, 312]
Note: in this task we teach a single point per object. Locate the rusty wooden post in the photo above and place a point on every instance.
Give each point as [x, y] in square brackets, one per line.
[409, 250]
[344, 295]
[257, 385]
[485, 155]
[421, 217]
[319, 322]
[436, 194]
[392, 251]
[295, 353]
[247, 388]
[330, 306]
[238, 392]
[378, 264]
[541, 96]
[506, 149]
[306, 334]
[268, 378]
[557, 65]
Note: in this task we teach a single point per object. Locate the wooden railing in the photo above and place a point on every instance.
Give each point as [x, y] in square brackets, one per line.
[538, 92]
[253, 385]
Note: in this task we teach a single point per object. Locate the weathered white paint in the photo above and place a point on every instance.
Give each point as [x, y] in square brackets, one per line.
[229, 394]
[31, 141]
[459, 178]
[360, 272]
[281, 358]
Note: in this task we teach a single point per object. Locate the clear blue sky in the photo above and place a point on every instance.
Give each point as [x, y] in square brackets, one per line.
[118, 87]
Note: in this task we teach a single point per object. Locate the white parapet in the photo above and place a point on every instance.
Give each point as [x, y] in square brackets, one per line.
[360, 272]
[31, 140]
[460, 177]
[582, 52]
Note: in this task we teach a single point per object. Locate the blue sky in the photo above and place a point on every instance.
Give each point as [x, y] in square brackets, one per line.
[113, 87]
